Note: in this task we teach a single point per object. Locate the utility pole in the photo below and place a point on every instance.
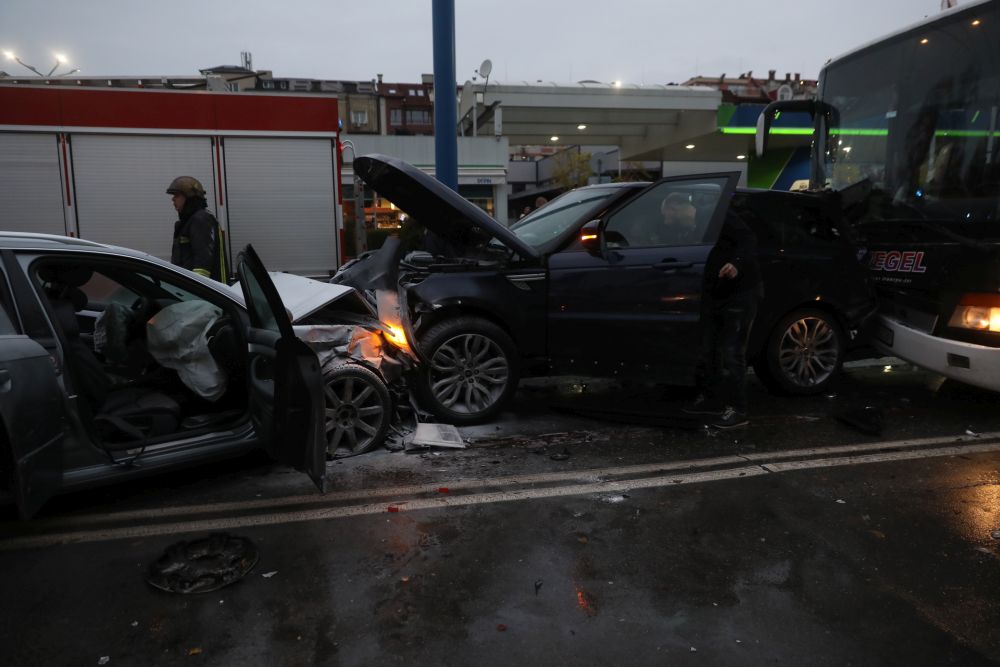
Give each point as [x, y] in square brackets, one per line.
[445, 105]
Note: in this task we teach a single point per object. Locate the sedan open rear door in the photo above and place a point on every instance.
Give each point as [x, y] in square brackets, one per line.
[284, 376]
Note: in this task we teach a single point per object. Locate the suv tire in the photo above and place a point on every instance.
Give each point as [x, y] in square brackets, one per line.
[471, 370]
[803, 353]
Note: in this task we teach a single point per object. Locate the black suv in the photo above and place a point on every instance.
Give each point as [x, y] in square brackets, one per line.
[590, 285]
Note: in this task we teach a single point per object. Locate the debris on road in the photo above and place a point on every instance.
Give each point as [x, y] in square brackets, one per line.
[538, 585]
[562, 456]
[868, 420]
[501, 628]
[200, 566]
[841, 501]
[104, 659]
[969, 431]
[195, 651]
[995, 534]
[268, 575]
[435, 435]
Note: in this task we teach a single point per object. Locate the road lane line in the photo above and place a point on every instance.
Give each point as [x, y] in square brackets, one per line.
[880, 458]
[592, 474]
[318, 514]
[230, 523]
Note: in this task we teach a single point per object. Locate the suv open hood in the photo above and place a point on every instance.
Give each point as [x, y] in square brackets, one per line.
[432, 204]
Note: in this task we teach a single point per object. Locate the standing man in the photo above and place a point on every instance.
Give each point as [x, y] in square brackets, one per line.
[198, 242]
[733, 289]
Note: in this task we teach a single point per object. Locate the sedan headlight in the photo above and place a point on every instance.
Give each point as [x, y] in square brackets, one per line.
[977, 312]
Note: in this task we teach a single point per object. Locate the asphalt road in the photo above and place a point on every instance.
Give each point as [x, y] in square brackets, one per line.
[559, 538]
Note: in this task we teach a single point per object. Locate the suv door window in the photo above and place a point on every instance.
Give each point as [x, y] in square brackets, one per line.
[670, 213]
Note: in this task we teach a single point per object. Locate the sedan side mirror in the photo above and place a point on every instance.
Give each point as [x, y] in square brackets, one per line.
[590, 237]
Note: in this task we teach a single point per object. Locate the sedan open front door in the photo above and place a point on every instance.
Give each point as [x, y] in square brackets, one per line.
[284, 377]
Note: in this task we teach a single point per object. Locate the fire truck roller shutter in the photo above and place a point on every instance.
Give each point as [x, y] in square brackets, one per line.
[120, 183]
[282, 200]
[31, 198]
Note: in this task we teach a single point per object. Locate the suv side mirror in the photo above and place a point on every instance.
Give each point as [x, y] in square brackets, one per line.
[590, 237]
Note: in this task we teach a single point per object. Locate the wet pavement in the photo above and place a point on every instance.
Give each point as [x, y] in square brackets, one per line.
[557, 538]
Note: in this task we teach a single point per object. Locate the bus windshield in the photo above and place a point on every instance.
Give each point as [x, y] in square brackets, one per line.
[918, 115]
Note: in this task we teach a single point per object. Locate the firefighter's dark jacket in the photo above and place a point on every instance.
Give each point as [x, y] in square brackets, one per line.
[737, 245]
[198, 243]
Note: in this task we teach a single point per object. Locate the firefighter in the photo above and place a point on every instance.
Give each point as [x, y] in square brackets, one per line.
[198, 244]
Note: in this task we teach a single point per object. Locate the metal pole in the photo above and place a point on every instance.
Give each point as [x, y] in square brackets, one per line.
[445, 104]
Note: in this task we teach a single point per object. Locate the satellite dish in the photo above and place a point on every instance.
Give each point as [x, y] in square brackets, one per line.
[486, 68]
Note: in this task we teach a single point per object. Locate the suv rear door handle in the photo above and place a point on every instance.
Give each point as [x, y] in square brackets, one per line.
[671, 264]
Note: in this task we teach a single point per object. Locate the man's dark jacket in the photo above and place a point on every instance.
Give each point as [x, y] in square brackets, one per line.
[197, 242]
[737, 245]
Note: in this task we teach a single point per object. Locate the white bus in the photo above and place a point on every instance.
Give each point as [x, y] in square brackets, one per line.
[907, 148]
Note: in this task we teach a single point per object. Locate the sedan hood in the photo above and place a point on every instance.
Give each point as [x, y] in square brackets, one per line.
[434, 205]
[304, 296]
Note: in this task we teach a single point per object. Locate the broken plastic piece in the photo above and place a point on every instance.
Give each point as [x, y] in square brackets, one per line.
[443, 489]
[841, 501]
[436, 435]
[538, 585]
[268, 575]
[195, 651]
[969, 431]
[103, 660]
[393, 508]
[501, 628]
[562, 456]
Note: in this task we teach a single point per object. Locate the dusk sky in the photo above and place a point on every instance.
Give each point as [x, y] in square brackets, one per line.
[635, 41]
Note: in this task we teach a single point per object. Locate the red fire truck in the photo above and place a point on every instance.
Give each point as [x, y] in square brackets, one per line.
[95, 163]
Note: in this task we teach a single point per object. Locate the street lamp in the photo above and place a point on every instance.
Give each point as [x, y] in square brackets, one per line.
[60, 60]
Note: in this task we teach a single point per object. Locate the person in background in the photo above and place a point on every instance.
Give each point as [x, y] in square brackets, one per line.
[680, 222]
[540, 202]
[198, 244]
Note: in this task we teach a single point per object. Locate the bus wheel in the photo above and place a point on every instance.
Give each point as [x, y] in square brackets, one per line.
[803, 353]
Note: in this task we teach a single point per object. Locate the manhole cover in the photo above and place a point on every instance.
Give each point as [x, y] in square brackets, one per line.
[200, 566]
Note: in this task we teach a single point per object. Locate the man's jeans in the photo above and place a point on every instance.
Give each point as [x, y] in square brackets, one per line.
[726, 332]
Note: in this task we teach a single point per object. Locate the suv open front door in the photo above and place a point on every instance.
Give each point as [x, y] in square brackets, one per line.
[285, 381]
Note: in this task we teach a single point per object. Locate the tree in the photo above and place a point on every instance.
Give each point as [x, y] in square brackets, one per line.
[634, 171]
[572, 169]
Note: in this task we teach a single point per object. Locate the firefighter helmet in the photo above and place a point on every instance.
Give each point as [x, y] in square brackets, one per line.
[189, 186]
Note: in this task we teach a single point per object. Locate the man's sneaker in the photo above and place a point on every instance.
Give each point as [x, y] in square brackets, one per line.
[702, 406]
[729, 418]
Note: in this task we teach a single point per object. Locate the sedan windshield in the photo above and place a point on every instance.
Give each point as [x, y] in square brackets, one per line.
[553, 219]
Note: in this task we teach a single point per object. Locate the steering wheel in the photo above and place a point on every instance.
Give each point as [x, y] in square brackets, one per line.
[142, 309]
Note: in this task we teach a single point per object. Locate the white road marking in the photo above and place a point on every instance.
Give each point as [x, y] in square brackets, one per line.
[442, 501]
[588, 475]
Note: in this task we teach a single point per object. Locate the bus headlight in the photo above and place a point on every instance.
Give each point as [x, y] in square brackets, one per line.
[978, 312]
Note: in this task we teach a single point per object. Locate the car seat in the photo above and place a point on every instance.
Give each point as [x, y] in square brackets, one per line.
[122, 414]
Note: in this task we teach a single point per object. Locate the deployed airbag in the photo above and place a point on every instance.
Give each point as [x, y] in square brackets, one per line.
[178, 338]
